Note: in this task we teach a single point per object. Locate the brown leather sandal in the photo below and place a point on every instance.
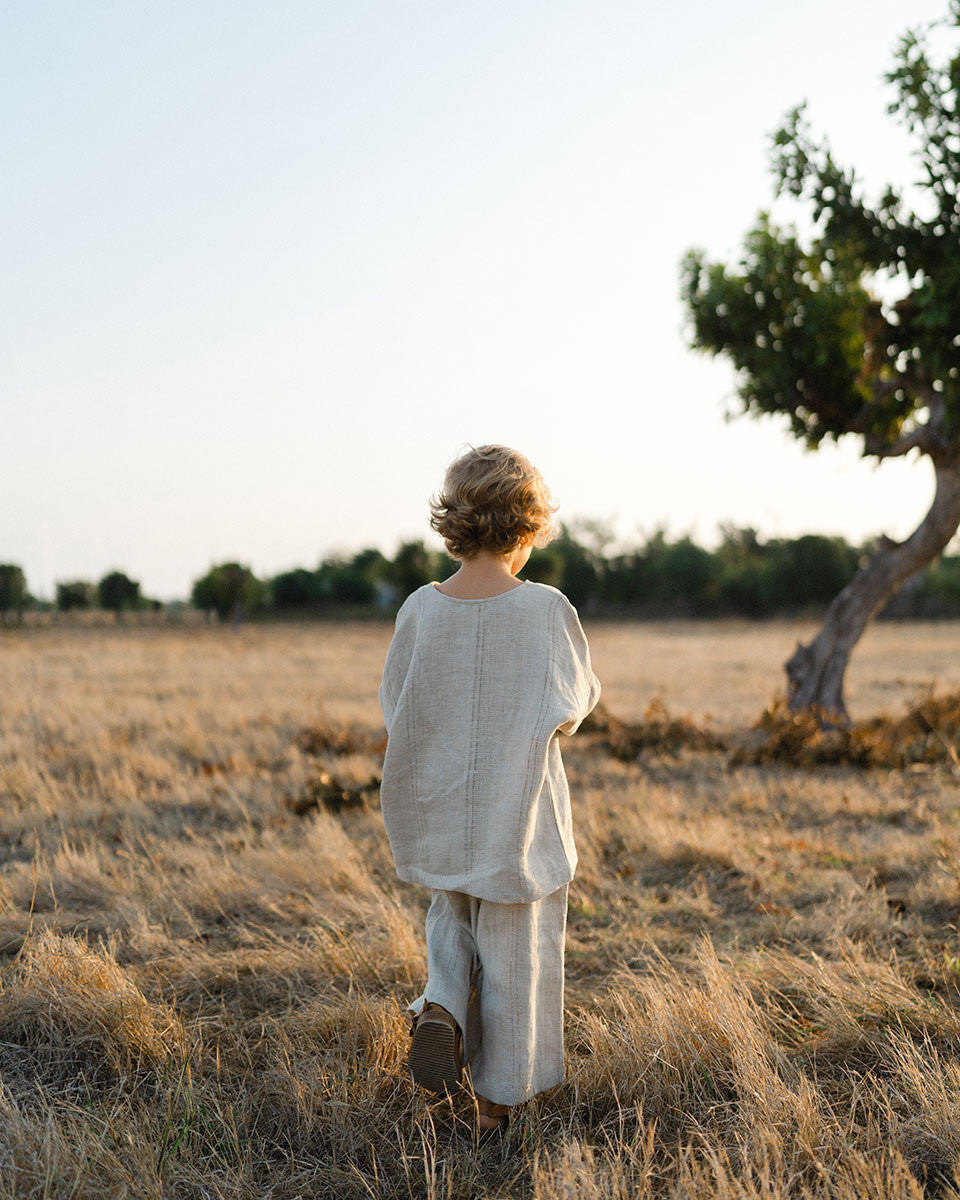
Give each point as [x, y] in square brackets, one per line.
[498, 1114]
[435, 1061]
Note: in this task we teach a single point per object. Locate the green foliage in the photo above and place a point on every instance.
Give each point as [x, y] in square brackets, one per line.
[578, 566]
[745, 575]
[679, 570]
[943, 581]
[545, 565]
[413, 565]
[229, 589]
[13, 588]
[75, 594]
[750, 589]
[781, 575]
[350, 586]
[366, 578]
[371, 564]
[813, 568]
[294, 589]
[856, 332]
[357, 580]
[118, 592]
[661, 576]
[790, 323]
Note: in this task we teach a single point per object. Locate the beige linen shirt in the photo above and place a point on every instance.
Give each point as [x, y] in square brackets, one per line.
[474, 696]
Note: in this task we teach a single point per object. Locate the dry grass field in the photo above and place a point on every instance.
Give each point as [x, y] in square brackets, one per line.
[205, 953]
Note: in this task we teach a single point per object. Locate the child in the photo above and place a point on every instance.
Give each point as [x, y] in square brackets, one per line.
[482, 674]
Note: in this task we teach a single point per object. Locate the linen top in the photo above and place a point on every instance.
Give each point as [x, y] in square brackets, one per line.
[474, 694]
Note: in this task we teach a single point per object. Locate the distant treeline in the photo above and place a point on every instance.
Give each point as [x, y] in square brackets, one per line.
[746, 576]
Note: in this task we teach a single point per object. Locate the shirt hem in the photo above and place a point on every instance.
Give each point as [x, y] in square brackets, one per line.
[481, 888]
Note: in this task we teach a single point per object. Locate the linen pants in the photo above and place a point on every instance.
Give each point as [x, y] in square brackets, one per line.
[498, 970]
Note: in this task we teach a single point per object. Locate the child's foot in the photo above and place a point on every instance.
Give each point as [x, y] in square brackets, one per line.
[435, 1050]
[492, 1116]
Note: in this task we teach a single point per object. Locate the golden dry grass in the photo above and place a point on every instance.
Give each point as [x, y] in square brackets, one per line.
[204, 954]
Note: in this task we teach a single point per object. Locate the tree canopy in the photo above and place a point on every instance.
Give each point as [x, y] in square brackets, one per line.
[856, 330]
[117, 591]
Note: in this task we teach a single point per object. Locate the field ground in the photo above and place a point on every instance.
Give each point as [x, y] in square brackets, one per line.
[204, 954]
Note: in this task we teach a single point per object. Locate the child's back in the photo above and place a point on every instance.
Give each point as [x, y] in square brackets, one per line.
[474, 692]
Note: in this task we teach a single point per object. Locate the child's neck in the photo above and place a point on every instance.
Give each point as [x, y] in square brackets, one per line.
[481, 576]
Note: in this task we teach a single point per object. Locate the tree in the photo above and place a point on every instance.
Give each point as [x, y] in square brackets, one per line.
[814, 568]
[13, 590]
[75, 593]
[855, 332]
[118, 592]
[413, 565]
[295, 589]
[545, 565]
[371, 564]
[678, 574]
[350, 586]
[568, 564]
[230, 589]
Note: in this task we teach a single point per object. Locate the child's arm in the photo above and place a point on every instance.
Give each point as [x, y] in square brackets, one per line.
[580, 688]
[398, 660]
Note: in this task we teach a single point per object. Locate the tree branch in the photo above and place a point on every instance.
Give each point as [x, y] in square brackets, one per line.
[917, 439]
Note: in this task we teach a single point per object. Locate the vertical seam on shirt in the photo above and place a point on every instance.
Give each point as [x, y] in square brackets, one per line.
[469, 829]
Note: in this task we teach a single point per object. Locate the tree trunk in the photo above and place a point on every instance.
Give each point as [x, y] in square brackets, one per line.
[815, 672]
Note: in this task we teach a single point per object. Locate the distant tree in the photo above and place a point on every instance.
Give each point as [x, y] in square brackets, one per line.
[230, 589]
[13, 590]
[371, 564]
[350, 586]
[545, 565]
[855, 332]
[749, 588]
[943, 581]
[117, 592]
[412, 566]
[680, 573]
[813, 568]
[75, 593]
[580, 567]
[660, 576]
[739, 545]
[295, 589]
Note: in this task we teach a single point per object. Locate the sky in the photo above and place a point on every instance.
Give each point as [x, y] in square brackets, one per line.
[269, 267]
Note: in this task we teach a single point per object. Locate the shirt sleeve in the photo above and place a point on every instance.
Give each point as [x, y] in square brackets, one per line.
[399, 656]
[580, 687]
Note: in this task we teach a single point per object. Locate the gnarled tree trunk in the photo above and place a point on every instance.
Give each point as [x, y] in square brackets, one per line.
[815, 672]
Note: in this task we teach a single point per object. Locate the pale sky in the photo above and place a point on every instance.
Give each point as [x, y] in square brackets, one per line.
[268, 267]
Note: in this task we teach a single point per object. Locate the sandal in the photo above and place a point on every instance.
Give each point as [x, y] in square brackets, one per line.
[435, 1061]
[500, 1113]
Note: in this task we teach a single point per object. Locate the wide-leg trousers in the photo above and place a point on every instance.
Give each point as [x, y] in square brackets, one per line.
[498, 970]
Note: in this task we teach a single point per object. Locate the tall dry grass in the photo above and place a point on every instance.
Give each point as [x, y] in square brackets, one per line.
[205, 953]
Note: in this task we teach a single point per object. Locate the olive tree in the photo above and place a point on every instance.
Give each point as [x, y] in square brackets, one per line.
[854, 331]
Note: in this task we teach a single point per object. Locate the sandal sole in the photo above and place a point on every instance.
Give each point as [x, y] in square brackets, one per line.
[433, 1057]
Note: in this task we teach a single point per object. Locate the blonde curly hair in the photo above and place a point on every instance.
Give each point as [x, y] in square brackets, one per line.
[492, 499]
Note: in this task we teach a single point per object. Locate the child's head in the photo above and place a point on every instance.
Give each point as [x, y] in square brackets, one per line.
[493, 499]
